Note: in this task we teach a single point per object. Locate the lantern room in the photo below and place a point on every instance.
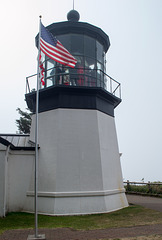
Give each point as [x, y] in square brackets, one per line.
[88, 44]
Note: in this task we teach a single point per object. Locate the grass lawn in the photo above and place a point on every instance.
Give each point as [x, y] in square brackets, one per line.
[151, 237]
[131, 216]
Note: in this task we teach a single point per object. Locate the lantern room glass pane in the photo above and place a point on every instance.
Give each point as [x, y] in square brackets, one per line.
[49, 82]
[77, 44]
[100, 52]
[49, 67]
[90, 71]
[78, 71]
[65, 40]
[100, 75]
[89, 47]
[90, 63]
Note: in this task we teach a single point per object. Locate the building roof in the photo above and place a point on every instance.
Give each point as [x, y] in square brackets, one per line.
[17, 141]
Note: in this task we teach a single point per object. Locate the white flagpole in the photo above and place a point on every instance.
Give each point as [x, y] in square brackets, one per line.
[36, 138]
[36, 236]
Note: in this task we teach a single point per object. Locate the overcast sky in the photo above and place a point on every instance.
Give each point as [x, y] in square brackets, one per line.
[134, 59]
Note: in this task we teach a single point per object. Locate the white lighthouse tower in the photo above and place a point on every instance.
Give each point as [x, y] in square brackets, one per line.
[79, 162]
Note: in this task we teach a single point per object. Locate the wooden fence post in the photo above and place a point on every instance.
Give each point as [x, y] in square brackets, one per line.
[149, 187]
[128, 185]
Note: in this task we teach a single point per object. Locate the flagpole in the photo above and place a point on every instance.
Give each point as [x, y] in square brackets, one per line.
[36, 138]
[36, 236]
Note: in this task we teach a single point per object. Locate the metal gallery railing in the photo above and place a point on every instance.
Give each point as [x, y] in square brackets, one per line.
[76, 77]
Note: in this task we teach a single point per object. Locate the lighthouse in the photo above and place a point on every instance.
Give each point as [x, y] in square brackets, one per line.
[79, 168]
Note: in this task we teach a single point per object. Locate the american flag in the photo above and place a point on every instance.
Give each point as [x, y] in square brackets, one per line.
[41, 69]
[52, 48]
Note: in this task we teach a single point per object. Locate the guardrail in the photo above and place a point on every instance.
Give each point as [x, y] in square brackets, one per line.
[87, 78]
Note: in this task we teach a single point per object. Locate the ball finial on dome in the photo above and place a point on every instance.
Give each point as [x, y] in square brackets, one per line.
[73, 16]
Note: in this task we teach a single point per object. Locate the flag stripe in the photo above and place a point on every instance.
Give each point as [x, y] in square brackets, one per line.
[58, 59]
[54, 51]
[64, 50]
[55, 58]
[58, 49]
[51, 47]
[41, 69]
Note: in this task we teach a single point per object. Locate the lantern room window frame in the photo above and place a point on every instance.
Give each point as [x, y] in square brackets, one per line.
[90, 66]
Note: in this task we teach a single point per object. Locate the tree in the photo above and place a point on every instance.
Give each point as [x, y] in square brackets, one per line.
[24, 123]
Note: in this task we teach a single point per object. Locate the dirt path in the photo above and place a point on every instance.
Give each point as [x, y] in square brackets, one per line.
[148, 202]
[69, 234]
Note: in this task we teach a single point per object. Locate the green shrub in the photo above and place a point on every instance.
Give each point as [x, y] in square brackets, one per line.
[144, 188]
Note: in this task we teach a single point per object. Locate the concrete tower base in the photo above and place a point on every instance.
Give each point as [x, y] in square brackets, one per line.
[79, 164]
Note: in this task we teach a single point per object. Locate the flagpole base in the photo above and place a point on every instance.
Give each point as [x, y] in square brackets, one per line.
[33, 237]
